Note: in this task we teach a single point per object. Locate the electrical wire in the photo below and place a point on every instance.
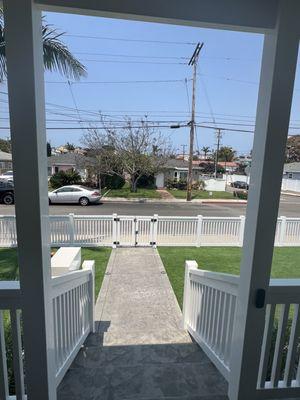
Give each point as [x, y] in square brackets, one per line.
[129, 39]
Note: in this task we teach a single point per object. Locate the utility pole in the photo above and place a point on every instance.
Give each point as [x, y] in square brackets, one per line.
[193, 61]
[219, 136]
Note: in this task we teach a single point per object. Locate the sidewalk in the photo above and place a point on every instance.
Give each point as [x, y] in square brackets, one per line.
[140, 350]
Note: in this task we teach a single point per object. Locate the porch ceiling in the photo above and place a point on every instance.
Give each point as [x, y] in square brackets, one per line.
[246, 15]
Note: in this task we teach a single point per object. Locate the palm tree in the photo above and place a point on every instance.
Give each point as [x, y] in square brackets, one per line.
[205, 150]
[57, 56]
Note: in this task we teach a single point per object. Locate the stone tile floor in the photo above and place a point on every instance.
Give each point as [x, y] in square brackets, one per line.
[139, 350]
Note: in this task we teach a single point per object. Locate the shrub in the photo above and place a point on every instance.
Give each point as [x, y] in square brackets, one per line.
[114, 181]
[174, 184]
[182, 184]
[243, 195]
[146, 181]
[63, 178]
[90, 184]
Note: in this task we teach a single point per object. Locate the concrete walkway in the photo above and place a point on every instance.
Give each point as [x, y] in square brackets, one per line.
[140, 351]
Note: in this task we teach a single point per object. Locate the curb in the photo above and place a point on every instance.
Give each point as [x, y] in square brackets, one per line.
[290, 193]
[166, 201]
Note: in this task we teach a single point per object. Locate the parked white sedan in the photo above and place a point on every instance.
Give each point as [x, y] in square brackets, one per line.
[74, 194]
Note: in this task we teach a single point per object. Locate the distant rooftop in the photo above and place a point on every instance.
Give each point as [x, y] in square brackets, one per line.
[66, 159]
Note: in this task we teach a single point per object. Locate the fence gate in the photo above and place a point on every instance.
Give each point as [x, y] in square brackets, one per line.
[144, 231]
[135, 231]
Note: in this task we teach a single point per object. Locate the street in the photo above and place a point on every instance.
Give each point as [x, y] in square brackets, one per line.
[289, 207]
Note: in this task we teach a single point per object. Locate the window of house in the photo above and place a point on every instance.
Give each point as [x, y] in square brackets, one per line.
[175, 174]
[290, 175]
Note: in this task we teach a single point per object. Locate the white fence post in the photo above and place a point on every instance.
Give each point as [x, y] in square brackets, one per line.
[242, 229]
[282, 233]
[189, 265]
[154, 230]
[199, 230]
[72, 228]
[90, 266]
[114, 231]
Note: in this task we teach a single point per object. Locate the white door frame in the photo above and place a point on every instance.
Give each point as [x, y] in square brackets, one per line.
[28, 133]
[27, 114]
[272, 121]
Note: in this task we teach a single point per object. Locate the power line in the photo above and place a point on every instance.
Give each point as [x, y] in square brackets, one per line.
[230, 79]
[132, 62]
[130, 55]
[129, 39]
[117, 82]
[162, 57]
[138, 126]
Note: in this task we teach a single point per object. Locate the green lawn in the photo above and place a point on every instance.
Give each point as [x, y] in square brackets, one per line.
[127, 194]
[223, 259]
[201, 194]
[9, 265]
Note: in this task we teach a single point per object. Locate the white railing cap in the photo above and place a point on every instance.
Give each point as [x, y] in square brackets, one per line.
[217, 276]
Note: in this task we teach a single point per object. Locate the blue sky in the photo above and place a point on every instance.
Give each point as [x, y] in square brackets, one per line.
[227, 86]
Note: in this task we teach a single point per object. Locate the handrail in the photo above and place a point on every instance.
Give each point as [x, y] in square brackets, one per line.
[209, 313]
[10, 295]
[72, 297]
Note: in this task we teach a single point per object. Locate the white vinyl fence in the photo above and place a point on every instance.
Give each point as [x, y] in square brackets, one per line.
[121, 230]
[73, 319]
[208, 314]
[292, 185]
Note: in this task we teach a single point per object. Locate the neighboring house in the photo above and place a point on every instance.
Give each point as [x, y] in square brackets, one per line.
[5, 162]
[176, 170]
[65, 162]
[229, 166]
[291, 170]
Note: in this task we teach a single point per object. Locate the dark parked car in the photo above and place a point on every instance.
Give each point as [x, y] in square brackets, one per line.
[6, 192]
[240, 185]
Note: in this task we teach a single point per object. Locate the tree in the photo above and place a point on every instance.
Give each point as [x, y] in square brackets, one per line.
[70, 146]
[130, 150]
[57, 56]
[5, 145]
[292, 153]
[226, 154]
[141, 150]
[209, 168]
[205, 150]
[100, 158]
[49, 150]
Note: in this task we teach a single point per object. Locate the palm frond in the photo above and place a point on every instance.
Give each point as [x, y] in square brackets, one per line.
[58, 58]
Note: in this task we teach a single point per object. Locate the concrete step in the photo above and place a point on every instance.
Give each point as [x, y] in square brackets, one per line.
[157, 377]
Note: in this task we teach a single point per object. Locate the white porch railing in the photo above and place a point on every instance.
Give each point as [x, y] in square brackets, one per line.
[208, 314]
[113, 230]
[73, 319]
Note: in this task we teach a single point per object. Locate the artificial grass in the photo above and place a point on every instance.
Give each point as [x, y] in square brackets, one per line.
[201, 194]
[223, 259]
[9, 263]
[127, 194]
[101, 256]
